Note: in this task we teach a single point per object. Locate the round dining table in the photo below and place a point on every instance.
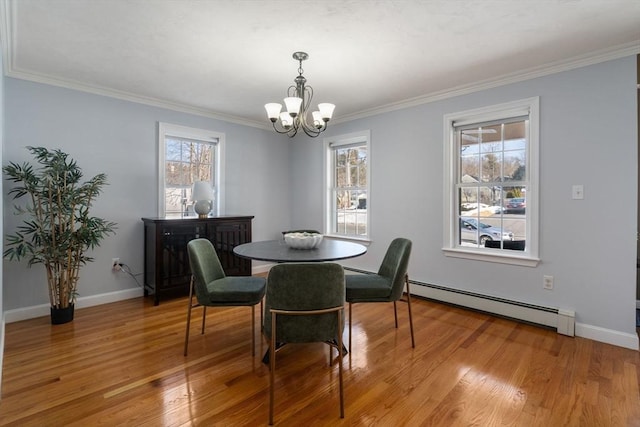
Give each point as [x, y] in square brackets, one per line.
[278, 251]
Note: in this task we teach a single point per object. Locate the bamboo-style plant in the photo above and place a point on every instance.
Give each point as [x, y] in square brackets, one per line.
[59, 229]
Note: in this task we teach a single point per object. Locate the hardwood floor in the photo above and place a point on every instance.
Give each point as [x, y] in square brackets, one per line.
[122, 364]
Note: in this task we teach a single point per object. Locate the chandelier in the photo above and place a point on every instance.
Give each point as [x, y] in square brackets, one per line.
[297, 102]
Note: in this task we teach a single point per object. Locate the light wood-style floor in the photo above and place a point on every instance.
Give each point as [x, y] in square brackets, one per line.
[121, 364]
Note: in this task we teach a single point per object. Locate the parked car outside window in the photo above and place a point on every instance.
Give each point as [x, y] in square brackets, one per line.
[472, 230]
[516, 205]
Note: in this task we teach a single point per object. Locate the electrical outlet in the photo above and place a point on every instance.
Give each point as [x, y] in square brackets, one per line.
[115, 264]
[577, 192]
[547, 282]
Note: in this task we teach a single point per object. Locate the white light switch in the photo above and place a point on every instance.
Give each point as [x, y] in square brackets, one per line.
[577, 192]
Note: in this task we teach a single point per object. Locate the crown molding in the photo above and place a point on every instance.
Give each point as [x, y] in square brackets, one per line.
[7, 36]
[596, 57]
[127, 96]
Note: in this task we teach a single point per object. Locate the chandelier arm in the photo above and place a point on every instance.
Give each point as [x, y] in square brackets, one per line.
[313, 134]
[309, 129]
[306, 100]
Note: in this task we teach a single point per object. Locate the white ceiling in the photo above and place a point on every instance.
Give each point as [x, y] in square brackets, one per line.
[227, 58]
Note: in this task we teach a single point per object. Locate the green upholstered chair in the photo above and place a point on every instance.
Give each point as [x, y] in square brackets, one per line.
[386, 286]
[304, 303]
[214, 289]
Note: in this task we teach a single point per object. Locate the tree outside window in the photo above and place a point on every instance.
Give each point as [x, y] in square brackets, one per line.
[186, 162]
[491, 179]
[348, 186]
[188, 155]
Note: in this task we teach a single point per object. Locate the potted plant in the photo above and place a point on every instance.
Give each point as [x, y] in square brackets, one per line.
[58, 229]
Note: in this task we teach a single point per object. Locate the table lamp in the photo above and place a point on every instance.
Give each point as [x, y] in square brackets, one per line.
[202, 197]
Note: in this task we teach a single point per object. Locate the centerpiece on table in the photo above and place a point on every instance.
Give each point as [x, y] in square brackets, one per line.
[303, 240]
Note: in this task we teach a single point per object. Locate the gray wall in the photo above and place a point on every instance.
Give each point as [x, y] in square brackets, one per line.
[2, 320]
[119, 138]
[587, 136]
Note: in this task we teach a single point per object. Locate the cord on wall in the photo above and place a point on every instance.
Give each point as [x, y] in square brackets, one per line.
[124, 267]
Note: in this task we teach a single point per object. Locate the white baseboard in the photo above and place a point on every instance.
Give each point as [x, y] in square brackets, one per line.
[608, 336]
[25, 313]
[2, 332]
[563, 320]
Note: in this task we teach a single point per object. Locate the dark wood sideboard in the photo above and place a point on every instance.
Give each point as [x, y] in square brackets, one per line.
[166, 262]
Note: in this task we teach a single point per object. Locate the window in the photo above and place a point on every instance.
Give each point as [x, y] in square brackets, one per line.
[491, 199]
[347, 181]
[188, 155]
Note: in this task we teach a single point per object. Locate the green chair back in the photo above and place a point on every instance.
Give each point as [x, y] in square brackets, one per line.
[304, 286]
[205, 266]
[395, 264]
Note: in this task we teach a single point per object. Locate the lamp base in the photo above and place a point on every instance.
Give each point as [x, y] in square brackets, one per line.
[202, 208]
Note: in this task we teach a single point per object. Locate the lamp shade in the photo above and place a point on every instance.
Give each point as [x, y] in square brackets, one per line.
[202, 190]
[286, 119]
[326, 110]
[273, 110]
[317, 119]
[293, 105]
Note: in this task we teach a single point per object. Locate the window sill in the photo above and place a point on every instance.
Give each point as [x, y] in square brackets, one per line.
[493, 256]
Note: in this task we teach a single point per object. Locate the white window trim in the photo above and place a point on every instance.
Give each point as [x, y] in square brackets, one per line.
[336, 141]
[530, 107]
[168, 129]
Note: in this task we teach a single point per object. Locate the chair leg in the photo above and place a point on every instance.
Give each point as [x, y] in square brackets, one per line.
[190, 301]
[272, 365]
[204, 317]
[262, 315]
[406, 281]
[253, 330]
[350, 322]
[395, 314]
[340, 361]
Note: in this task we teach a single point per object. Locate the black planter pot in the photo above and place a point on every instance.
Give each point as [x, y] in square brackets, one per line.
[61, 315]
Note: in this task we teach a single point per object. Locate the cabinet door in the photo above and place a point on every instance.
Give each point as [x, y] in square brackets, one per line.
[176, 272]
[226, 236]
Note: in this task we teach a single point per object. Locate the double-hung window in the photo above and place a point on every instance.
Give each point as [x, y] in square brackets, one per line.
[347, 183]
[188, 155]
[491, 197]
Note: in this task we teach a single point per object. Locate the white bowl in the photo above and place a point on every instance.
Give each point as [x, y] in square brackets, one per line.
[302, 240]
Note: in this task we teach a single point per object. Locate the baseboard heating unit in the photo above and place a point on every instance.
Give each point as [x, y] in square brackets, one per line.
[563, 321]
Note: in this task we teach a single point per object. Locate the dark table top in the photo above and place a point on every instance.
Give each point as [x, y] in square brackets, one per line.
[278, 251]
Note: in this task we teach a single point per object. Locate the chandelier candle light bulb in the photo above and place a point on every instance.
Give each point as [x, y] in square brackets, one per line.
[297, 104]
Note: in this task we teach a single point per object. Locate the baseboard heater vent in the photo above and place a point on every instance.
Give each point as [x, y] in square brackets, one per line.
[559, 319]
